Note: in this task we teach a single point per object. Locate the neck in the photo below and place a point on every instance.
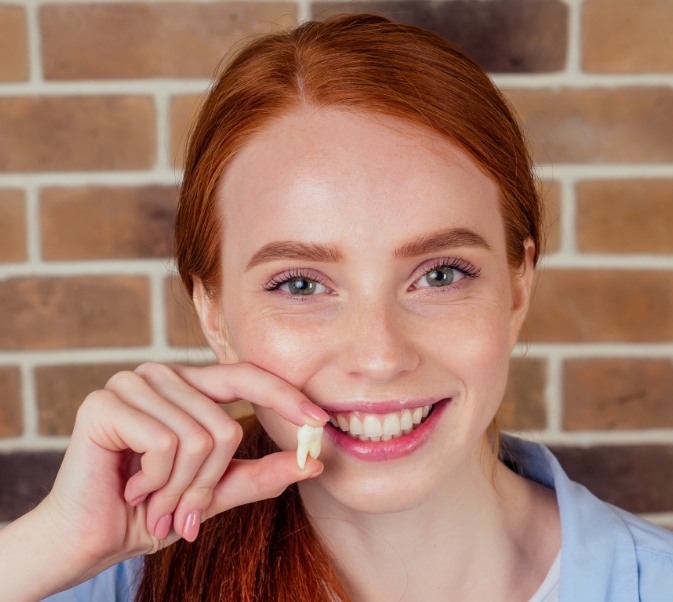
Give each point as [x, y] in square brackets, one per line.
[488, 538]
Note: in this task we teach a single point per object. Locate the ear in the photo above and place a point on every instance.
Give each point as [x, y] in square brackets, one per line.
[522, 288]
[210, 315]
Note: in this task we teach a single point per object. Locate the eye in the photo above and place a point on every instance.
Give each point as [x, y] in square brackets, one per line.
[296, 284]
[445, 273]
[440, 277]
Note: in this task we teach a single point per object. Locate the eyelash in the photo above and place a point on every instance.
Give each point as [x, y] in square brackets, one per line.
[464, 267]
[283, 278]
[460, 265]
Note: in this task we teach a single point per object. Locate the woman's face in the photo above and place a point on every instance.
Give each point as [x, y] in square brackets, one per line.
[364, 262]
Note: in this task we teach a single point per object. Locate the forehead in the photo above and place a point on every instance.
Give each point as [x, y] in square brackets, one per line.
[328, 173]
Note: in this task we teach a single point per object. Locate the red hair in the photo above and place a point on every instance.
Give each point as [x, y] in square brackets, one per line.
[268, 551]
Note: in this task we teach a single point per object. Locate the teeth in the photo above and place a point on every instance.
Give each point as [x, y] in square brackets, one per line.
[391, 425]
[309, 439]
[381, 427]
[371, 426]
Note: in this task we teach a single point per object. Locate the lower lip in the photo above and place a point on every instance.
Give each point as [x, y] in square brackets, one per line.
[380, 451]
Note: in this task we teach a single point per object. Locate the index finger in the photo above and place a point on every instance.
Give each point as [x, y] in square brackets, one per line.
[230, 382]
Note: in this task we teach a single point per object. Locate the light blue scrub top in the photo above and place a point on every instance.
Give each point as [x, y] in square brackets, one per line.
[607, 555]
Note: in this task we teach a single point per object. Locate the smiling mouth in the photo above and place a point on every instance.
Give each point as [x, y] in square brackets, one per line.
[380, 427]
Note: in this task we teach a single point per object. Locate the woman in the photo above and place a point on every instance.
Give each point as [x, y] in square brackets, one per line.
[358, 228]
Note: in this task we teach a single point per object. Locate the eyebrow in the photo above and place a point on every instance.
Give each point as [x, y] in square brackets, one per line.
[442, 239]
[428, 243]
[289, 249]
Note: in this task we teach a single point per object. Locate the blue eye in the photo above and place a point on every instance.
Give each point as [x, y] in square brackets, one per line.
[296, 284]
[301, 286]
[442, 276]
[445, 273]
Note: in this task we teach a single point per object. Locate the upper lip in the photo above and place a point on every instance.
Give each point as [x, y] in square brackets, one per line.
[379, 407]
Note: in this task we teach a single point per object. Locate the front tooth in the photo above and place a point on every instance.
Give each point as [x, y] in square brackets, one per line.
[391, 425]
[407, 421]
[372, 426]
[417, 415]
[426, 411]
[356, 426]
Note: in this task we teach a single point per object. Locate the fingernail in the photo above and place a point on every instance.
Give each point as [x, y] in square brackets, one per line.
[192, 524]
[314, 412]
[163, 526]
[139, 500]
[318, 471]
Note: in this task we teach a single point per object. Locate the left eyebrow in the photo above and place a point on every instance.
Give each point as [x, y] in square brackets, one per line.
[290, 249]
[442, 239]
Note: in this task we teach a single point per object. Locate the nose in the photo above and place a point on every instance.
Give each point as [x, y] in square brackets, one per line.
[378, 343]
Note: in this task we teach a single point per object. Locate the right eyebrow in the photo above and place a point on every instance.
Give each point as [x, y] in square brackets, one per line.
[289, 249]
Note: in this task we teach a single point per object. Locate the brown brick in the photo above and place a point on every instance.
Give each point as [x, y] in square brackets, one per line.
[628, 36]
[524, 405]
[622, 125]
[135, 40]
[182, 324]
[621, 393]
[111, 222]
[79, 311]
[61, 389]
[25, 478]
[625, 216]
[13, 44]
[636, 478]
[57, 133]
[506, 36]
[183, 111]
[11, 416]
[12, 226]
[601, 305]
[551, 195]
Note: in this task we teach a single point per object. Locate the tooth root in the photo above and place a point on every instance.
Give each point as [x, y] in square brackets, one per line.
[302, 454]
[314, 448]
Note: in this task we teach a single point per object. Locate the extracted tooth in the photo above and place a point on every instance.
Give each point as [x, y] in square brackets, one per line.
[308, 443]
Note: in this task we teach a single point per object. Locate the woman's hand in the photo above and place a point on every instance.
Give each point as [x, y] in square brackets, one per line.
[151, 458]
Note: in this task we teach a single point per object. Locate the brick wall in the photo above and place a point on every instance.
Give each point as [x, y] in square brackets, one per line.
[95, 100]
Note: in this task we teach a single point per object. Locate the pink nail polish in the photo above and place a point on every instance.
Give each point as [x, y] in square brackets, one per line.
[192, 524]
[314, 412]
[139, 500]
[163, 526]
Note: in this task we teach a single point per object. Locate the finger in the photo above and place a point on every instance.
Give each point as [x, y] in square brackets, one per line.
[248, 481]
[113, 425]
[224, 437]
[231, 382]
[201, 428]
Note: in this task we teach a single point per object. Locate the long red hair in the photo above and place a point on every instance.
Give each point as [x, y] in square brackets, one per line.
[268, 551]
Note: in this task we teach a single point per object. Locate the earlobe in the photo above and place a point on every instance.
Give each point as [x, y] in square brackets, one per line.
[522, 288]
[208, 309]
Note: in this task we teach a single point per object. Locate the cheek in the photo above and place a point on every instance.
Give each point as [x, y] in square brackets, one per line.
[288, 349]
